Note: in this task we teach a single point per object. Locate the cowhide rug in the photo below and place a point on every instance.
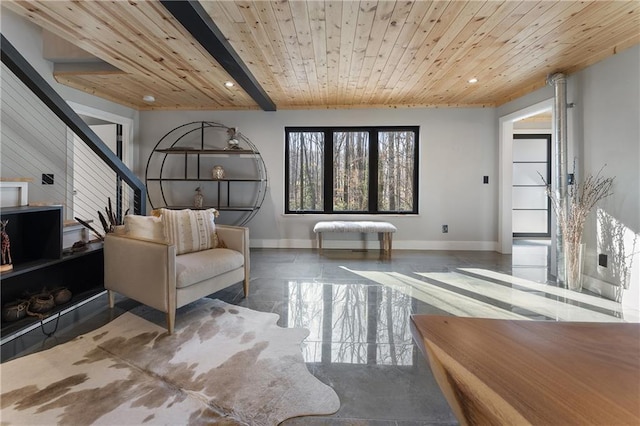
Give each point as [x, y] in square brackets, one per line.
[224, 364]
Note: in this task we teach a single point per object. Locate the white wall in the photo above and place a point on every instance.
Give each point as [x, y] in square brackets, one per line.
[458, 147]
[32, 142]
[610, 109]
[608, 105]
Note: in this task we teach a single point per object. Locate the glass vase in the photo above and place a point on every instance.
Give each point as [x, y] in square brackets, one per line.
[573, 259]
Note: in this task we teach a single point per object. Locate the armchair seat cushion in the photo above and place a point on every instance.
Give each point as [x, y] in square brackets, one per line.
[192, 268]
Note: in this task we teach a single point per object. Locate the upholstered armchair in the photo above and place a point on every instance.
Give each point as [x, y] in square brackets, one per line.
[153, 272]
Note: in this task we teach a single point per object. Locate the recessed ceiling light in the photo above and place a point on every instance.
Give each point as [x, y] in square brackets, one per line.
[473, 80]
[228, 83]
[149, 98]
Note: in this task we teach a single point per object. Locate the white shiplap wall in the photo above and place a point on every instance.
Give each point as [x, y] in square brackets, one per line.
[33, 141]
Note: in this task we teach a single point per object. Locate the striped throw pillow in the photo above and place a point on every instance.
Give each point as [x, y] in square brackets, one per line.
[190, 230]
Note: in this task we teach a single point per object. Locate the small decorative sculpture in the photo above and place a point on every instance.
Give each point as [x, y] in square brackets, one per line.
[7, 262]
[232, 143]
[14, 310]
[198, 199]
[217, 173]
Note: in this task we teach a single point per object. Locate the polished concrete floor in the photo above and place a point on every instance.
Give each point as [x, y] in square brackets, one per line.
[357, 307]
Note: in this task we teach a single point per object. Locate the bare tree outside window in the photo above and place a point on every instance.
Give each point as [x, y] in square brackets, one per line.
[306, 171]
[396, 171]
[351, 171]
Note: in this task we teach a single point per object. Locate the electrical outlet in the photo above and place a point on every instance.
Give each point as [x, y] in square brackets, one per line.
[445, 229]
[485, 179]
[602, 260]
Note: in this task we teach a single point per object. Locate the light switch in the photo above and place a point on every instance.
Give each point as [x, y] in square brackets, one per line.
[47, 178]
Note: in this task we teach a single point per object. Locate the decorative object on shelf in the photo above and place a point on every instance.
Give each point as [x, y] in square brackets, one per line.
[109, 224]
[61, 295]
[40, 303]
[78, 246]
[7, 262]
[13, 311]
[198, 199]
[232, 143]
[581, 199]
[217, 173]
[37, 304]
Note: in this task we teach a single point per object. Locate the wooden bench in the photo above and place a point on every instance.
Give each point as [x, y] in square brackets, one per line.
[363, 227]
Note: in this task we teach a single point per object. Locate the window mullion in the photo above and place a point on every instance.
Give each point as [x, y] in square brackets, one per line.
[416, 168]
[287, 165]
[373, 171]
[301, 177]
[328, 171]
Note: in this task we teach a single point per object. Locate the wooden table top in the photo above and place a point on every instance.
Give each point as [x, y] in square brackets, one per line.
[549, 373]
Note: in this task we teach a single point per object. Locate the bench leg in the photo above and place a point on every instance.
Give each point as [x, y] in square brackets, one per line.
[386, 243]
[385, 239]
[319, 242]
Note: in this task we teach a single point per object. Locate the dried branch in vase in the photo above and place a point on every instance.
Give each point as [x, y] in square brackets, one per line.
[108, 222]
[581, 199]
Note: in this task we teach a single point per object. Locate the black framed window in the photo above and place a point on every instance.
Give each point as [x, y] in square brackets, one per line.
[370, 170]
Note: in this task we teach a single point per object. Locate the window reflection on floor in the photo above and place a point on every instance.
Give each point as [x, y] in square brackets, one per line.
[531, 259]
[352, 323]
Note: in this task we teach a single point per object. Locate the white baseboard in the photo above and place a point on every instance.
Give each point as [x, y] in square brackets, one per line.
[283, 244]
[599, 287]
[628, 299]
[447, 245]
[375, 244]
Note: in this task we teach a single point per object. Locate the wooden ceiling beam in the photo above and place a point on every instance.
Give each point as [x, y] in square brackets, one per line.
[196, 20]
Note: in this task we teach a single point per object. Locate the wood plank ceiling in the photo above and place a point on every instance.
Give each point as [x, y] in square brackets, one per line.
[336, 54]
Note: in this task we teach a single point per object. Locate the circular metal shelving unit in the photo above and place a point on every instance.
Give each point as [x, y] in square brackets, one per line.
[188, 154]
